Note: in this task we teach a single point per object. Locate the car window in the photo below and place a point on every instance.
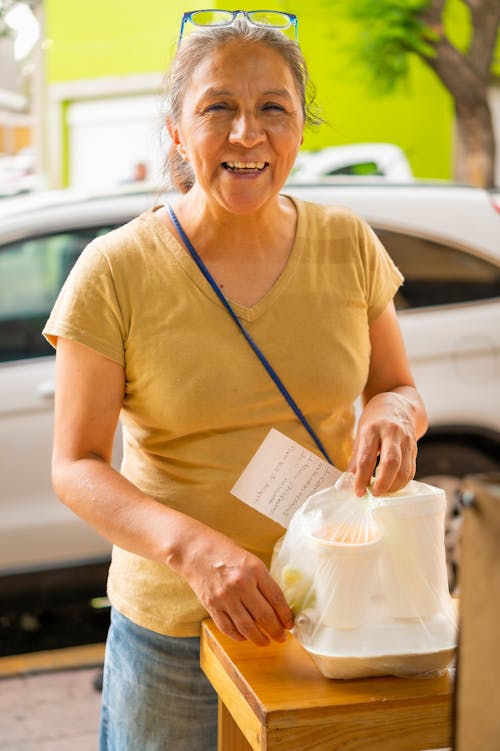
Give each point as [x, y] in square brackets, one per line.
[32, 272]
[359, 168]
[437, 274]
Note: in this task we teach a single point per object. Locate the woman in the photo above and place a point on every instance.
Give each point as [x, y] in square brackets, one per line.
[139, 331]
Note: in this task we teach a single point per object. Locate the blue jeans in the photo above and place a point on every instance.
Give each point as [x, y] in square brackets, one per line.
[155, 695]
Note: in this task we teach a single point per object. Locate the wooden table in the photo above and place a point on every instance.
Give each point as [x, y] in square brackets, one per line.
[275, 699]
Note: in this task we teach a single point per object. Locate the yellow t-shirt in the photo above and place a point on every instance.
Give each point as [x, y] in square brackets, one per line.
[198, 403]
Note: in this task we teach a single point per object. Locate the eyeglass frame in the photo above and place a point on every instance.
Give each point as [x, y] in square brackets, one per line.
[187, 16]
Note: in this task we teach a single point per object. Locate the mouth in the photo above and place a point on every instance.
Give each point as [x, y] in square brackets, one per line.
[245, 168]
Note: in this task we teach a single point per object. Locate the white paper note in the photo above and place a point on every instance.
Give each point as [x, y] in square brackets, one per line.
[281, 475]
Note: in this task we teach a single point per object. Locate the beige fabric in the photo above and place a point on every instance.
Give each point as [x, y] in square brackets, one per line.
[198, 403]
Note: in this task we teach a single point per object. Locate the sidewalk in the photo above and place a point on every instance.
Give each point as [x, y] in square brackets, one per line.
[55, 710]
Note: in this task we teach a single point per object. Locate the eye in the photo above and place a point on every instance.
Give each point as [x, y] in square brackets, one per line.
[217, 107]
[273, 107]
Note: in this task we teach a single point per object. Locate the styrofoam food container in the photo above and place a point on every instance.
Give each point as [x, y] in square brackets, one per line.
[386, 648]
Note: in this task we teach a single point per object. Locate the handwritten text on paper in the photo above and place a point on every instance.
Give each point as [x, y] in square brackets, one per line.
[281, 475]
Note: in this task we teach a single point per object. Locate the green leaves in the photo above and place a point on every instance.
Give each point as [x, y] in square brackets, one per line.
[390, 30]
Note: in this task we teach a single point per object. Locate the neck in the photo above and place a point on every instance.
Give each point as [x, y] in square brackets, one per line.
[215, 231]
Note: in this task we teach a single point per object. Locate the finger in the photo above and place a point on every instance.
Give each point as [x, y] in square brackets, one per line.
[388, 468]
[264, 611]
[268, 607]
[366, 459]
[398, 461]
[237, 623]
[247, 626]
[272, 593]
[226, 626]
[265, 618]
[407, 469]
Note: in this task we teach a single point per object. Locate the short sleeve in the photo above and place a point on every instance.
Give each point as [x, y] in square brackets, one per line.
[382, 278]
[87, 309]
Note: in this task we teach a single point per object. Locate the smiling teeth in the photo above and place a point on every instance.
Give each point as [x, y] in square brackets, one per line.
[245, 165]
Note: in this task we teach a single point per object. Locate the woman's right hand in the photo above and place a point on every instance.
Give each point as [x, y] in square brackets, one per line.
[236, 589]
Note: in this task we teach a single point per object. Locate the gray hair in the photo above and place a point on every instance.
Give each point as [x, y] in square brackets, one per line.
[194, 50]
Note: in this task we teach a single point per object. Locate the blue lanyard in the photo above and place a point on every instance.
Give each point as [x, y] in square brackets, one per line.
[270, 370]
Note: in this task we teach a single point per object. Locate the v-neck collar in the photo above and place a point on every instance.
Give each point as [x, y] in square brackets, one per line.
[184, 258]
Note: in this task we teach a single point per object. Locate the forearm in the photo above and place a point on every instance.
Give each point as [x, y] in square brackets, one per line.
[233, 585]
[122, 513]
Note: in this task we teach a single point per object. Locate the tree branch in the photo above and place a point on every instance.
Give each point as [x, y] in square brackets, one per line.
[485, 23]
[433, 15]
[455, 71]
[471, 69]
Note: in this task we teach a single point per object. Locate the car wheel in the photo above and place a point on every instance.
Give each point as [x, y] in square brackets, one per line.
[445, 464]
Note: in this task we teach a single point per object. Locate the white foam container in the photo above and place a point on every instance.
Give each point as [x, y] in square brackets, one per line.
[411, 626]
[405, 648]
[406, 666]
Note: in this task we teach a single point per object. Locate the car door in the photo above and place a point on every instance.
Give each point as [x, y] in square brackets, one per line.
[449, 311]
[36, 531]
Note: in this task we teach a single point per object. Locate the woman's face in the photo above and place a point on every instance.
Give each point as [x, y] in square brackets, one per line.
[241, 125]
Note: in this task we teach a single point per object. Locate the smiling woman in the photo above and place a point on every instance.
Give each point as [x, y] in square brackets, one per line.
[142, 331]
[241, 133]
[194, 51]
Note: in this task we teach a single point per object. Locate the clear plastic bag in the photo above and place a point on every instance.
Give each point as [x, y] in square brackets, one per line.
[367, 581]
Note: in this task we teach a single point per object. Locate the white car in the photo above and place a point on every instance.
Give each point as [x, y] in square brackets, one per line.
[445, 240]
[17, 174]
[358, 160]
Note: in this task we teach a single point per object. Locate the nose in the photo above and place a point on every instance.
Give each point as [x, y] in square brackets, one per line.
[246, 130]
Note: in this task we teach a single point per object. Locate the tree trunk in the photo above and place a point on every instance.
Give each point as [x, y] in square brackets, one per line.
[472, 110]
[466, 77]
[476, 133]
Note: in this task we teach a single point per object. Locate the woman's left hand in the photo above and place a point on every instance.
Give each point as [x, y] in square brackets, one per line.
[386, 428]
[393, 418]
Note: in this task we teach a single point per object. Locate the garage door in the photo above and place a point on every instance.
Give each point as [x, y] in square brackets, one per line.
[112, 141]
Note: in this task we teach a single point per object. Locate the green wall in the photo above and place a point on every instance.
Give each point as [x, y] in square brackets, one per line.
[94, 38]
